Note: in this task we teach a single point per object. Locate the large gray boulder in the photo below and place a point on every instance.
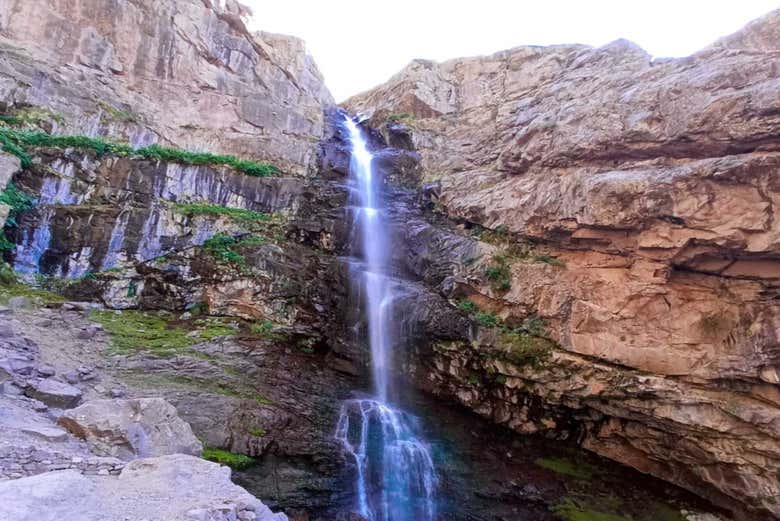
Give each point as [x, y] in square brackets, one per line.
[54, 393]
[173, 488]
[129, 429]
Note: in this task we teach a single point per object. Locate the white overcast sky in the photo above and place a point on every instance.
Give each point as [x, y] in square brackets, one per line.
[359, 44]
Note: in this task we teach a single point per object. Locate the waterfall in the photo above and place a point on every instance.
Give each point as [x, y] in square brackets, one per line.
[396, 479]
[116, 241]
[27, 258]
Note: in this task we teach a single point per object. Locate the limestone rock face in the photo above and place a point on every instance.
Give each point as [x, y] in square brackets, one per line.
[129, 429]
[633, 205]
[189, 73]
[177, 488]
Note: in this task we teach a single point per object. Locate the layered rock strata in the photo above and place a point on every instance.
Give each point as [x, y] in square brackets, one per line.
[189, 74]
[629, 205]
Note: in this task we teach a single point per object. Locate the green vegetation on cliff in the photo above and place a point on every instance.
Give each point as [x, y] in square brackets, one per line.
[11, 288]
[18, 142]
[237, 214]
[568, 467]
[18, 202]
[498, 273]
[230, 459]
[223, 247]
[133, 330]
[570, 511]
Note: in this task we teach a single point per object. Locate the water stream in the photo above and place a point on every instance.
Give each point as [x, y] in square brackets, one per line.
[396, 479]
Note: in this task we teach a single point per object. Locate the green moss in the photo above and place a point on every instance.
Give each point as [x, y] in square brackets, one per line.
[236, 214]
[232, 460]
[663, 512]
[571, 511]
[257, 431]
[17, 289]
[575, 469]
[133, 330]
[17, 141]
[261, 399]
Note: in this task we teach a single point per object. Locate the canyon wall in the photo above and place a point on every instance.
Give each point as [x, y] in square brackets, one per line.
[618, 239]
[182, 73]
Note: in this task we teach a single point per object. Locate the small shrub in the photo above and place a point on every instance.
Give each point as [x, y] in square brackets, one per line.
[498, 273]
[487, 319]
[262, 328]
[230, 459]
[521, 348]
[221, 245]
[467, 306]
[18, 200]
[258, 431]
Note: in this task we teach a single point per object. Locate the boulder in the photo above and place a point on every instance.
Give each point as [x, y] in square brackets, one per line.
[176, 487]
[130, 429]
[54, 393]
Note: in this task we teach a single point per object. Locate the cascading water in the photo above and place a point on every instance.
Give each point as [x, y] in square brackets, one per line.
[396, 479]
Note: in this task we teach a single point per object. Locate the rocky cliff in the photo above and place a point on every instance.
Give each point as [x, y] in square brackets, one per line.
[618, 248]
[183, 73]
[592, 257]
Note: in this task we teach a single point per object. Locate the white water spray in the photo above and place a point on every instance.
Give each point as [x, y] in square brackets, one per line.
[396, 479]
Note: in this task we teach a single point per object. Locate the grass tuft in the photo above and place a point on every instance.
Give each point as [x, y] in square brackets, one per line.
[236, 214]
[230, 459]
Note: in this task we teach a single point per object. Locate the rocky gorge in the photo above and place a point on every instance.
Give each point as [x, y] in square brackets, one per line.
[583, 241]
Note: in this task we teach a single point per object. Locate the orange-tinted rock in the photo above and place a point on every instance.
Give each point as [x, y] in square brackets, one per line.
[655, 185]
